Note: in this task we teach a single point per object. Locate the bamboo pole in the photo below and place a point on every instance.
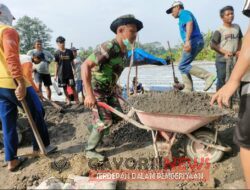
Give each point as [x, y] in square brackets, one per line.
[136, 77]
[129, 71]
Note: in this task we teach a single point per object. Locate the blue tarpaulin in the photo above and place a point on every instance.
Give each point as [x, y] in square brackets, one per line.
[142, 56]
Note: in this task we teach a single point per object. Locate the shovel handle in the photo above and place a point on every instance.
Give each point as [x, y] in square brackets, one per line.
[123, 116]
[33, 125]
[171, 59]
[55, 105]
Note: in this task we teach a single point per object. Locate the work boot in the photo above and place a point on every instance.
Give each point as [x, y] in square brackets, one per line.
[205, 75]
[93, 141]
[188, 83]
[95, 155]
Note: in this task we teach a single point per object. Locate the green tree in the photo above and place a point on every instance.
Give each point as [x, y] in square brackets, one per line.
[31, 29]
[154, 48]
[84, 53]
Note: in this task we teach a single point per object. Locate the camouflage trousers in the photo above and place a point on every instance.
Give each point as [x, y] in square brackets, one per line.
[102, 118]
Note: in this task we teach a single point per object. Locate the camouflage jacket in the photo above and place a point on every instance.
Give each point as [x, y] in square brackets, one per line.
[110, 61]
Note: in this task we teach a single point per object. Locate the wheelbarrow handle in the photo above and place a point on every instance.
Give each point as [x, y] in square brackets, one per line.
[123, 116]
[105, 106]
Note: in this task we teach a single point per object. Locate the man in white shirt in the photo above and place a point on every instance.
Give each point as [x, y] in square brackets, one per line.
[42, 74]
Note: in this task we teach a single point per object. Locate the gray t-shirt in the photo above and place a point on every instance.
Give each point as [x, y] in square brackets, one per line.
[43, 66]
[77, 67]
[228, 39]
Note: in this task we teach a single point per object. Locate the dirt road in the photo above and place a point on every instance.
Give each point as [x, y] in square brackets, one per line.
[69, 132]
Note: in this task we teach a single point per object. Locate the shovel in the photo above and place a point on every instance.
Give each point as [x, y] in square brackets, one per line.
[177, 85]
[33, 126]
[55, 105]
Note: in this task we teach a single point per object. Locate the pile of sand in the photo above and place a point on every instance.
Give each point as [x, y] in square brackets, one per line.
[175, 102]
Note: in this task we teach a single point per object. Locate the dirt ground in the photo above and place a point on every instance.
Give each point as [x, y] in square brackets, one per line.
[69, 132]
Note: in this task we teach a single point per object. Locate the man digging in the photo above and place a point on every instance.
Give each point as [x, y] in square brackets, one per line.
[100, 73]
[13, 89]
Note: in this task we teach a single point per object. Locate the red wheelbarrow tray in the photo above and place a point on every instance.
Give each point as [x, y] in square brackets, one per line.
[178, 123]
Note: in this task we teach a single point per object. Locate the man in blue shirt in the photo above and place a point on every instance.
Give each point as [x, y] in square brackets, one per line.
[193, 44]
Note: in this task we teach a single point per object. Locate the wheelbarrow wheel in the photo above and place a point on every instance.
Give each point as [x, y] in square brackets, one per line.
[195, 150]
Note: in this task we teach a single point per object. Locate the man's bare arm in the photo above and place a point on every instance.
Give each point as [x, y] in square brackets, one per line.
[217, 48]
[56, 70]
[86, 68]
[189, 29]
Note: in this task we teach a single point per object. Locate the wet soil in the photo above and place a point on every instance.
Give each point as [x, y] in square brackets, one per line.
[69, 132]
[175, 102]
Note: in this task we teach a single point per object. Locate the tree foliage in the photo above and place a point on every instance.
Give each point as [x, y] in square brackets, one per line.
[154, 48]
[31, 29]
[84, 53]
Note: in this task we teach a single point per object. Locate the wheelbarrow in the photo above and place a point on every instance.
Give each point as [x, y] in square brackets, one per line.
[202, 142]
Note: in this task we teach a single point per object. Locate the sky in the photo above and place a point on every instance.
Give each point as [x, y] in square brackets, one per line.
[86, 22]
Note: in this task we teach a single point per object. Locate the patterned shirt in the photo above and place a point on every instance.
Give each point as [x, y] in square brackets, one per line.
[110, 61]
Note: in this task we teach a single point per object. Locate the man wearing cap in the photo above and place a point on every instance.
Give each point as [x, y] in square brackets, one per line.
[193, 44]
[100, 73]
[77, 72]
[64, 69]
[41, 70]
[14, 88]
[27, 68]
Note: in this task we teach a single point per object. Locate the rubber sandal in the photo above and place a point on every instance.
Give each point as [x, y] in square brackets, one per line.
[21, 161]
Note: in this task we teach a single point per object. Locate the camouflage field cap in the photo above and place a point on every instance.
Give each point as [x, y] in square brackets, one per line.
[124, 20]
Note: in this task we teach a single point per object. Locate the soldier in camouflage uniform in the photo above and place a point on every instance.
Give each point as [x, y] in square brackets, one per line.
[100, 73]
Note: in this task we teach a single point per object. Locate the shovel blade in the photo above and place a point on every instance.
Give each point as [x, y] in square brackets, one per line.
[178, 86]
